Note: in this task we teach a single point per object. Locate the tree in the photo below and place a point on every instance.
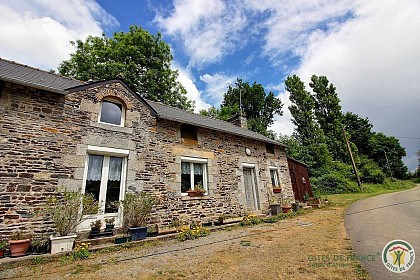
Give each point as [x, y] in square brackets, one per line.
[384, 147]
[329, 116]
[360, 131]
[258, 106]
[141, 59]
[307, 132]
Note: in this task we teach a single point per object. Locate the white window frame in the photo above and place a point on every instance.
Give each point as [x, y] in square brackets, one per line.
[276, 178]
[112, 100]
[107, 153]
[193, 160]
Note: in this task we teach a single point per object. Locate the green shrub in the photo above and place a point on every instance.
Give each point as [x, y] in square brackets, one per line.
[334, 182]
[370, 172]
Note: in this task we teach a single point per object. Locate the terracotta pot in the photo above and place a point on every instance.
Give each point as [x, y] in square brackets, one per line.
[195, 193]
[286, 208]
[2, 253]
[19, 247]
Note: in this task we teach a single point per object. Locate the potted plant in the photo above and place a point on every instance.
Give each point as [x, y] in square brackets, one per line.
[67, 211]
[286, 206]
[40, 245]
[3, 246]
[19, 243]
[136, 210]
[152, 231]
[109, 224]
[274, 206]
[198, 190]
[95, 228]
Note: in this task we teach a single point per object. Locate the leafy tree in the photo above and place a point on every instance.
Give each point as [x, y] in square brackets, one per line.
[141, 59]
[258, 106]
[360, 131]
[223, 114]
[388, 147]
[308, 134]
[329, 116]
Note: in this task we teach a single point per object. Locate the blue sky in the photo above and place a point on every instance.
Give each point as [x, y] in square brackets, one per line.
[370, 50]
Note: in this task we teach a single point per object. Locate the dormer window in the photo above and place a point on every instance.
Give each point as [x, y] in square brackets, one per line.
[112, 112]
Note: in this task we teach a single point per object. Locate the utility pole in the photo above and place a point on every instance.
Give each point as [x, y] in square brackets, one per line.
[389, 168]
[352, 160]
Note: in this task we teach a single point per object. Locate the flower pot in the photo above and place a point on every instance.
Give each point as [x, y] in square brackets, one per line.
[109, 227]
[276, 190]
[286, 208]
[2, 251]
[40, 249]
[138, 233]
[19, 247]
[62, 244]
[275, 209]
[195, 193]
[122, 239]
[95, 231]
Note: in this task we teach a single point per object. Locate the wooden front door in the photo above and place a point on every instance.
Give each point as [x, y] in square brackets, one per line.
[251, 193]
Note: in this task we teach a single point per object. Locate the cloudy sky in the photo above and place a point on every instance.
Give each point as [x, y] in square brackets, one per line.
[370, 50]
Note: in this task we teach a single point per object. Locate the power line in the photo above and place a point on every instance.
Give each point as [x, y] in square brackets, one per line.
[406, 137]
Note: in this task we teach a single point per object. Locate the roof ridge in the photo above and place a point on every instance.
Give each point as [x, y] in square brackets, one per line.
[41, 70]
[166, 105]
[226, 122]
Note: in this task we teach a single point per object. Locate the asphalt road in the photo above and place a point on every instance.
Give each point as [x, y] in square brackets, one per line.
[373, 222]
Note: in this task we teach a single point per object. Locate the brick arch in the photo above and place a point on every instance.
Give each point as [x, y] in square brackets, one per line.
[111, 93]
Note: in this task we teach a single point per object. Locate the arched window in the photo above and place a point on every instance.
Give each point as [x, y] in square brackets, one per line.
[112, 112]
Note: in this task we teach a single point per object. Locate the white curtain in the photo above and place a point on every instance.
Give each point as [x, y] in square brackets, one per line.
[185, 168]
[115, 166]
[95, 168]
[198, 169]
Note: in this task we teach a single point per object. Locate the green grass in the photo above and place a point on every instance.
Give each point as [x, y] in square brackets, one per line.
[371, 190]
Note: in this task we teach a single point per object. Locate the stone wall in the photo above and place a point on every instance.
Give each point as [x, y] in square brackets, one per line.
[45, 139]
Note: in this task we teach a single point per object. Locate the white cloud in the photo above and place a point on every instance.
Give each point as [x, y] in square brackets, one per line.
[187, 80]
[208, 29]
[374, 62]
[38, 32]
[282, 124]
[216, 85]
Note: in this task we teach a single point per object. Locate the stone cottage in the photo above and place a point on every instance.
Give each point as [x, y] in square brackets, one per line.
[105, 139]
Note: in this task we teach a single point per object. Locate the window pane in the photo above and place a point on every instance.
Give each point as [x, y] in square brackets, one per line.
[274, 178]
[94, 174]
[185, 177]
[113, 185]
[111, 112]
[198, 174]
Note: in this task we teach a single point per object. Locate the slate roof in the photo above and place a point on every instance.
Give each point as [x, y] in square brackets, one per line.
[178, 115]
[11, 71]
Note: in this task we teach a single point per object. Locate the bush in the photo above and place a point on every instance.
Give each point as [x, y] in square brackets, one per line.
[333, 183]
[370, 172]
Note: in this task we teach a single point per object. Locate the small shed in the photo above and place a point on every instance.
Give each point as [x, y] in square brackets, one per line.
[299, 175]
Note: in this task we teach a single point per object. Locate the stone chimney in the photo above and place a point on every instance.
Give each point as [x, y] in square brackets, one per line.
[239, 120]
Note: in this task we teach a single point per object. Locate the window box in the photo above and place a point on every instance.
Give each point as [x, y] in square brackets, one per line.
[195, 193]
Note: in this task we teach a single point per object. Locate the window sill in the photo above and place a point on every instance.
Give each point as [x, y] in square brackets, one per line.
[110, 127]
[187, 198]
